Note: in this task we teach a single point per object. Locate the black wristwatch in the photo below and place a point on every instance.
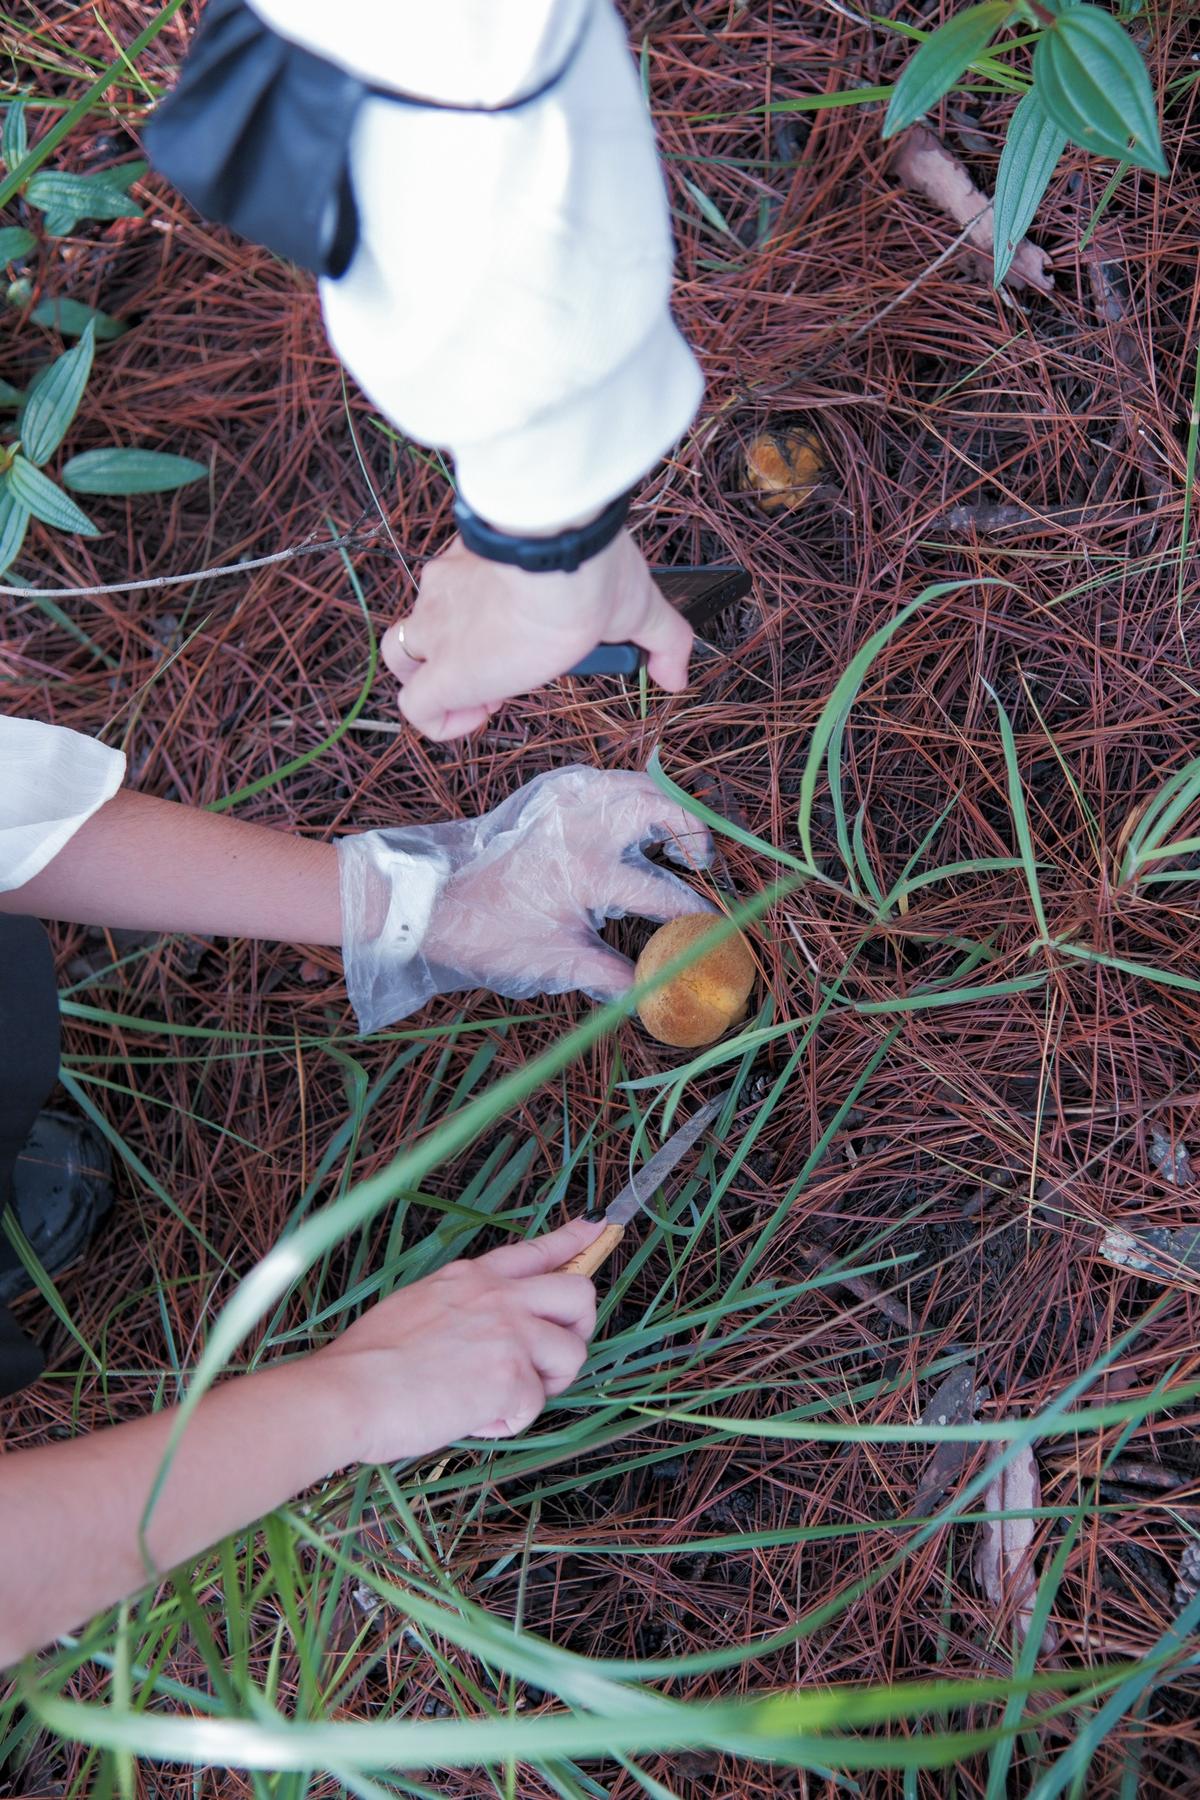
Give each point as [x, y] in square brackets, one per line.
[560, 554]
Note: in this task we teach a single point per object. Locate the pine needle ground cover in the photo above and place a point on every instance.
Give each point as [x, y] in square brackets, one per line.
[937, 1265]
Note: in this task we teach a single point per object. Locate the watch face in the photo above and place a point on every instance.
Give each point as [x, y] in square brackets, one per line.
[702, 593]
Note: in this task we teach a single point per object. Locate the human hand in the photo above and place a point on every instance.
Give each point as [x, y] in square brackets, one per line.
[481, 632]
[474, 1350]
[513, 901]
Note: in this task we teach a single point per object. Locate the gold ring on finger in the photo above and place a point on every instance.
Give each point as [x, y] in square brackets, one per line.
[400, 639]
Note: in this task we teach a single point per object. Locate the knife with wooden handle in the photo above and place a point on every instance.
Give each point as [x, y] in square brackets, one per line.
[634, 1195]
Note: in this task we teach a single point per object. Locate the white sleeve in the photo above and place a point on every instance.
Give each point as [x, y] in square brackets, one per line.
[509, 298]
[51, 781]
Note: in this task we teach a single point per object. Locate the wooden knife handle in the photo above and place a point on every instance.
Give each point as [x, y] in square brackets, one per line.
[596, 1254]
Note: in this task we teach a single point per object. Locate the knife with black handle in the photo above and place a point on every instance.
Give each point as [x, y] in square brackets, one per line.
[700, 593]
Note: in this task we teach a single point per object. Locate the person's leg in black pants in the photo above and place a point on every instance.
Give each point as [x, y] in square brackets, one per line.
[29, 1039]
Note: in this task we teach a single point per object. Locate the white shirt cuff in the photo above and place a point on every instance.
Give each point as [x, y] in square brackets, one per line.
[51, 782]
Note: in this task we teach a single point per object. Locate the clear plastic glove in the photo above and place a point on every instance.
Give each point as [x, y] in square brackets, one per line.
[512, 901]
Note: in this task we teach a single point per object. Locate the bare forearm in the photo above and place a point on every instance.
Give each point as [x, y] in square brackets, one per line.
[153, 865]
[475, 1349]
[69, 1513]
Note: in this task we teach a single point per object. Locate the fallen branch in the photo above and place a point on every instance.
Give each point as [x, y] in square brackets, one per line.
[924, 164]
[1004, 1559]
[351, 540]
[1011, 516]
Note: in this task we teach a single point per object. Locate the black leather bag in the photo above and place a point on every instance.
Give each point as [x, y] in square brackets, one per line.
[256, 135]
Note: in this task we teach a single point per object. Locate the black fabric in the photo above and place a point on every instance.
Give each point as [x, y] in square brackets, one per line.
[29, 1042]
[257, 136]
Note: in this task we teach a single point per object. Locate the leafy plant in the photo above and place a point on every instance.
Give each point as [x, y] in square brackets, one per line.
[15, 242]
[44, 414]
[64, 199]
[70, 318]
[1089, 86]
[1148, 839]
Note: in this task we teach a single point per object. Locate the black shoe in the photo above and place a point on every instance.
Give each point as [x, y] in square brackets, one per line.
[61, 1189]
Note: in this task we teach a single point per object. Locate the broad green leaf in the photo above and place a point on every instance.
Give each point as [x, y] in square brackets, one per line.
[54, 400]
[10, 395]
[46, 500]
[1094, 85]
[31, 388]
[124, 176]
[72, 318]
[104, 195]
[64, 125]
[941, 59]
[60, 224]
[14, 141]
[15, 241]
[14, 521]
[85, 196]
[1032, 148]
[130, 472]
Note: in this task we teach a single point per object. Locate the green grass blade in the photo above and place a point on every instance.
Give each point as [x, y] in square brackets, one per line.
[1147, 971]
[908, 1003]
[715, 820]
[1189, 494]
[39, 1279]
[845, 692]
[304, 1246]
[1020, 815]
[29, 164]
[1072, 1766]
[782, 1727]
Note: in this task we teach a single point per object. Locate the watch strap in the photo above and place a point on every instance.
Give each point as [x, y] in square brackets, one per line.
[562, 553]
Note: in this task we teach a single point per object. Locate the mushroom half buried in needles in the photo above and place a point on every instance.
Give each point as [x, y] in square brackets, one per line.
[695, 1006]
[783, 466]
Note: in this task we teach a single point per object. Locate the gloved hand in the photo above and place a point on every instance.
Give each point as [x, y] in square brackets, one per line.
[512, 901]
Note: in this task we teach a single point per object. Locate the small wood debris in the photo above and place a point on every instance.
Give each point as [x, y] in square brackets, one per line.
[1150, 1250]
[1170, 1159]
[1163, 1255]
[955, 1402]
[1011, 516]
[924, 164]
[1188, 1585]
[1127, 1471]
[365, 1599]
[1004, 1560]
[783, 466]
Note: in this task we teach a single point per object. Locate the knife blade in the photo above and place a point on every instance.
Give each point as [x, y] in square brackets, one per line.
[637, 1191]
[700, 594]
